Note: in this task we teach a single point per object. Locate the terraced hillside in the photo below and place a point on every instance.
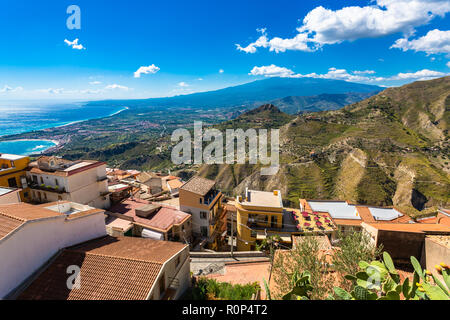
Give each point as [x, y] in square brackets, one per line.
[390, 149]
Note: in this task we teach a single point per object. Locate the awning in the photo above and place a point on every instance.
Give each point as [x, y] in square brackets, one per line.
[146, 233]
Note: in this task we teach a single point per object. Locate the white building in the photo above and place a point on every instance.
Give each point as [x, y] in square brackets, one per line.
[84, 181]
[31, 235]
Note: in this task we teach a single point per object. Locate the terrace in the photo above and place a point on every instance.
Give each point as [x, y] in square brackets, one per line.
[313, 222]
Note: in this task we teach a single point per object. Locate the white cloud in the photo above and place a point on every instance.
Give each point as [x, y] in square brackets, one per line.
[272, 71]
[200, 79]
[74, 44]
[448, 64]
[51, 90]
[152, 69]
[183, 84]
[116, 86]
[324, 26]
[7, 89]
[95, 83]
[434, 42]
[343, 74]
[424, 74]
[221, 71]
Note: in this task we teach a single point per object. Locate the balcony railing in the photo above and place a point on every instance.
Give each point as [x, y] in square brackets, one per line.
[210, 197]
[44, 187]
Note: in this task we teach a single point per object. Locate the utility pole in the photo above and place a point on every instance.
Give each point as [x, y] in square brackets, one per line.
[232, 240]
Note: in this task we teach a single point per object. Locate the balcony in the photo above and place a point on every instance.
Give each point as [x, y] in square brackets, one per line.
[211, 196]
[43, 187]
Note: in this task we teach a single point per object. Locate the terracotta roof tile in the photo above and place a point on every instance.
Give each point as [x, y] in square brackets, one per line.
[198, 185]
[110, 269]
[27, 212]
[8, 224]
[411, 227]
[365, 214]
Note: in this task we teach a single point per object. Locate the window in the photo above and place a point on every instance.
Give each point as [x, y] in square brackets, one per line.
[204, 231]
[35, 179]
[12, 164]
[253, 234]
[42, 180]
[56, 182]
[201, 200]
[12, 182]
[203, 215]
[177, 263]
[273, 221]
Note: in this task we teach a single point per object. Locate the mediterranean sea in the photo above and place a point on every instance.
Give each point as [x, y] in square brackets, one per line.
[18, 118]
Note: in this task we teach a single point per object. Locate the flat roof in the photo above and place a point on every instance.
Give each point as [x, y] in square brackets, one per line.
[263, 199]
[11, 157]
[384, 214]
[4, 190]
[336, 209]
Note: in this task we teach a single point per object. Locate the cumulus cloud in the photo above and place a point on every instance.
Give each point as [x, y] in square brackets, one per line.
[152, 69]
[221, 71]
[94, 83]
[183, 84]
[116, 87]
[74, 44]
[342, 74]
[272, 71]
[434, 42]
[323, 26]
[7, 89]
[448, 64]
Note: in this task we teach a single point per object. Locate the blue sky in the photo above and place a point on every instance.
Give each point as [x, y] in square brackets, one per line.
[185, 45]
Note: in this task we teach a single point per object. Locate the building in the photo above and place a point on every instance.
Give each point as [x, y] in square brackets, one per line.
[174, 185]
[203, 201]
[436, 251]
[259, 214]
[110, 268]
[119, 191]
[403, 240]
[83, 181]
[153, 220]
[150, 182]
[9, 195]
[13, 173]
[348, 216]
[30, 235]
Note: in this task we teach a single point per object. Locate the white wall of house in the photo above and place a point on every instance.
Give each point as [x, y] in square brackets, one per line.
[82, 187]
[197, 221]
[26, 250]
[171, 271]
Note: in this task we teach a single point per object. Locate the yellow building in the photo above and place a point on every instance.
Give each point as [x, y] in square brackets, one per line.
[203, 201]
[261, 214]
[13, 173]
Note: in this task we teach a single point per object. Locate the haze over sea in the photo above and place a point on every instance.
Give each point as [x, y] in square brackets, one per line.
[20, 117]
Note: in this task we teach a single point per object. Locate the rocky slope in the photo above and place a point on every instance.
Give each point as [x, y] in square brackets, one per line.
[390, 149]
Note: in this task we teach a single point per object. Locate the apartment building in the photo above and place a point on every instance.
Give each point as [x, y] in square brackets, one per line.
[32, 234]
[259, 213]
[83, 181]
[203, 201]
[13, 173]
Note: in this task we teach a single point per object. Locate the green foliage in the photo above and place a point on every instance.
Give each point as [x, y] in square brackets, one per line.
[379, 280]
[301, 286]
[210, 289]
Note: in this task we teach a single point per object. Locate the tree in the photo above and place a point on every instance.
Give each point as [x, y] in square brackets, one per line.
[352, 248]
[306, 256]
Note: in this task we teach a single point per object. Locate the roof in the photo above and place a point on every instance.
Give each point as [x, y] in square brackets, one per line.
[174, 184]
[385, 214]
[336, 209]
[145, 176]
[263, 199]
[4, 190]
[11, 157]
[63, 167]
[122, 268]
[162, 220]
[14, 215]
[365, 214]
[198, 185]
[411, 227]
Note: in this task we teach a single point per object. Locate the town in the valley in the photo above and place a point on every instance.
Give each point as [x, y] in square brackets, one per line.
[80, 230]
